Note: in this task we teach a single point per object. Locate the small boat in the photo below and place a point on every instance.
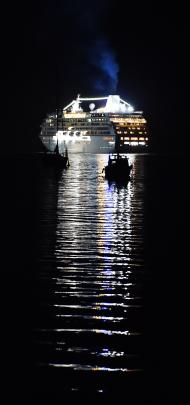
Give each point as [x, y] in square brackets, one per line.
[118, 167]
[57, 159]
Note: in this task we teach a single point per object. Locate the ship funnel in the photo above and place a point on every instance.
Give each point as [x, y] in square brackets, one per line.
[115, 105]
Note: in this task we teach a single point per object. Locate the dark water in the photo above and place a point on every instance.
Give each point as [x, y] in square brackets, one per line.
[87, 278]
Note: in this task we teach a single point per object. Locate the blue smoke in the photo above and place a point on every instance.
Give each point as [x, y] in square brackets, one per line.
[97, 55]
[102, 57]
[109, 65]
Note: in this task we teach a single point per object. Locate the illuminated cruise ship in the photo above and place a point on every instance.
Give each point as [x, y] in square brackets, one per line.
[103, 126]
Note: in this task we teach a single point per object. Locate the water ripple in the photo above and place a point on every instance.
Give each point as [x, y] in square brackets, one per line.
[90, 269]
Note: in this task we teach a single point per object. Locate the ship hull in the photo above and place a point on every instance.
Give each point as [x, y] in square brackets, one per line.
[94, 144]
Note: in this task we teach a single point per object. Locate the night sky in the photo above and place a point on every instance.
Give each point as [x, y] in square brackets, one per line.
[50, 52]
[57, 49]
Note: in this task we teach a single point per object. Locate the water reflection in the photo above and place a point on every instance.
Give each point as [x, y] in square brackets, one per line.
[96, 285]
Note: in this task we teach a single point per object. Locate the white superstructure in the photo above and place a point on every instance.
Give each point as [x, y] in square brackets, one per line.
[97, 130]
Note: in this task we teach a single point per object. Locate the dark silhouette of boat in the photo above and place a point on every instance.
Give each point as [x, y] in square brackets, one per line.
[56, 159]
[118, 167]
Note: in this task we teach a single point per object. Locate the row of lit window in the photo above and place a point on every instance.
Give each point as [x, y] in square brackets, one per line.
[129, 120]
[136, 129]
[86, 124]
[133, 143]
[129, 127]
[134, 138]
[131, 132]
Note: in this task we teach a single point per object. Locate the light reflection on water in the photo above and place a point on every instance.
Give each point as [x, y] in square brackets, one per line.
[95, 269]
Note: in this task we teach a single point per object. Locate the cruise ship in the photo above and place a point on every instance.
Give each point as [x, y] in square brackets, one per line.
[96, 125]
